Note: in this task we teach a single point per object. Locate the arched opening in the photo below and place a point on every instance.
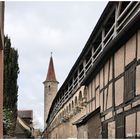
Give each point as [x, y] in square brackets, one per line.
[85, 94]
[76, 101]
[65, 112]
[69, 107]
[80, 96]
[62, 113]
[72, 104]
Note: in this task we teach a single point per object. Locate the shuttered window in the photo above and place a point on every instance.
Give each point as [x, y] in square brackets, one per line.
[104, 130]
[129, 81]
[120, 126]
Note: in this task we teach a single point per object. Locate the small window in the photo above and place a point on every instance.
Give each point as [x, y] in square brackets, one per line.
[129, 81]
[49, 86]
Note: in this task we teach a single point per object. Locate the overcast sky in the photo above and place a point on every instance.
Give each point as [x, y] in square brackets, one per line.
[38, 28]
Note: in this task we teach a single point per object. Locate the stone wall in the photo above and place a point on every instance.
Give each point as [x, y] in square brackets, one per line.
[49, 94]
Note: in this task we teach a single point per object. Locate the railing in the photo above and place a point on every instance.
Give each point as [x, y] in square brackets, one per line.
[125, 20]
[109, 36]
[120, 22]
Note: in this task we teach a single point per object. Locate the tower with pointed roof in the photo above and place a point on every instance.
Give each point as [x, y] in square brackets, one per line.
[50, 89]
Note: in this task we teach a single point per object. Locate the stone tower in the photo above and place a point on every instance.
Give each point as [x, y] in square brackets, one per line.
[50, 89]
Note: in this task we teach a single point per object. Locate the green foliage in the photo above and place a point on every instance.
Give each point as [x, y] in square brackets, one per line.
[7, 122]
[11, 71]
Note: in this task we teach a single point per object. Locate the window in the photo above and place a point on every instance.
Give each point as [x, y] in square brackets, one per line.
[129, 81]
[49, 89]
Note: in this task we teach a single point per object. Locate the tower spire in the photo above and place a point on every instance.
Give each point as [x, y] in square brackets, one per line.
[50, 89]
[51, 72]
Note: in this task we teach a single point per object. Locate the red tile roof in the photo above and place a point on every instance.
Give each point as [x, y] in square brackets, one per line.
[51, 71]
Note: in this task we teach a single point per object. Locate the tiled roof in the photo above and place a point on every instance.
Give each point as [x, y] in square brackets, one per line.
[86, 117]
[25, 114]
[51, 71]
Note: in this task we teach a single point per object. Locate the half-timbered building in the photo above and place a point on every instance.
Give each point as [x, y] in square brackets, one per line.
[100, 97]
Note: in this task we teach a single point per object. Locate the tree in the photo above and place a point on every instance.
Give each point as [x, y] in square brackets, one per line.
[11, 71]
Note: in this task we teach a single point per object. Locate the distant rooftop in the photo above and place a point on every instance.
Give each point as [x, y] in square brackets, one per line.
[25, 113]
